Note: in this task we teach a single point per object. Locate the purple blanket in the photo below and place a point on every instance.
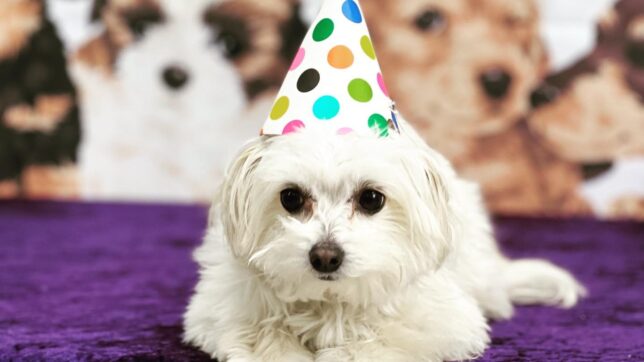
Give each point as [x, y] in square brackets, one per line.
[110, 282]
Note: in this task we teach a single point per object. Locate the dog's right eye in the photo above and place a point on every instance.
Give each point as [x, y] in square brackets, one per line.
[292, 200]
[431, 20]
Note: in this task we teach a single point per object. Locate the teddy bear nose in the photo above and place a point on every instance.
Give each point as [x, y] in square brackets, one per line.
[175, 77]
[326, 257]
[496, 83]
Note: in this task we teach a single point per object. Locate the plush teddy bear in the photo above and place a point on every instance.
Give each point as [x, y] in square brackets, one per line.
[39, 117]
[592, 114]
[171, 88]
[462, 72]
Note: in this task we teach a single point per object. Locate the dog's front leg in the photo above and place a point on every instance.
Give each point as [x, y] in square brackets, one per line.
[236, 341]
[231, 325]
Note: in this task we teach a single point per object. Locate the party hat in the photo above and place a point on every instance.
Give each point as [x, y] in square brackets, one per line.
[335, 81]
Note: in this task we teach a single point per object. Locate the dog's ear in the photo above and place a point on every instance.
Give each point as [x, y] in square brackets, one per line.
[97, 10]
[438, 195]
[539, 55]
[232, 208]
[433, 221]
[293, 32]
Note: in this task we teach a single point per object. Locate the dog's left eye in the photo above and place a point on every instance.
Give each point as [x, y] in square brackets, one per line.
[292, 200]
[371, 201]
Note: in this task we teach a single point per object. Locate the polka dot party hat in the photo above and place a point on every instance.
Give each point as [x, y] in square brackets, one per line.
[335, 81]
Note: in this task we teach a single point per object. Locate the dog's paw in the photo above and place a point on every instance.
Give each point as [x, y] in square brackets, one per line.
[267, 357]
[296, 356]
[364, 352]
[332, 355]
[497, 308]
[289, 356]
[540, 282]
[495, 303]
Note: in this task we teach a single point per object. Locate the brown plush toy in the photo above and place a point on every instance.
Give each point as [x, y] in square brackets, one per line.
[462, 72]
[39, 120]
[592, 113]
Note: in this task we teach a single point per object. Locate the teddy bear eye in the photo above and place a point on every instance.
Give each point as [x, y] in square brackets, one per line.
[292, 200]
[371, 201]
[430, 20]
[230, 33]
[231, 44]
[140, 20]
[635, 53]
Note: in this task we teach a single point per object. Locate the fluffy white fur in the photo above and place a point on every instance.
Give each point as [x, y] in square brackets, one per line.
[143, 140]
[418, 279]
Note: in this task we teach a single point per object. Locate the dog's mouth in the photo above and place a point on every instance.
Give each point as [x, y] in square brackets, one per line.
[328, 277]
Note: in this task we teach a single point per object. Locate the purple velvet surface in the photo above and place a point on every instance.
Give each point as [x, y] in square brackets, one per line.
[110, 282]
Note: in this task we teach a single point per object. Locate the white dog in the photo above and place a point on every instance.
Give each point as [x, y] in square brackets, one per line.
[340, 248]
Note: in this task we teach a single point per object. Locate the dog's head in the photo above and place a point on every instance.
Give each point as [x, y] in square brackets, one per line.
[594, 111]
[322, 216]
[465, 66]
[173, 50]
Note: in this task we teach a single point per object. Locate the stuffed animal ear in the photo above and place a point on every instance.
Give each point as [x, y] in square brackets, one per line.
[293, 31]
[609, 27]
[97, 10]
[539, 56]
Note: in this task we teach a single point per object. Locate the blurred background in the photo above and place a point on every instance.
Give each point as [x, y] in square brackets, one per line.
[540, 101]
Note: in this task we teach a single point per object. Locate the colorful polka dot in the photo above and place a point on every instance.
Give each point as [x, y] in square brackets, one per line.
[293, 126]
[308, 80]
[379, 124]
[326, 107]
[383, 86]
[352, 12]
[360, 90]
[280, 108]
[367, 47]
[323, 30]
[344, 130]
[299, 58]
[340, 57]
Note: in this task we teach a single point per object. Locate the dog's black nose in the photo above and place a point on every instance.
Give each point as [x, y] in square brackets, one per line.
[175, 77]
[326, 257]
[496, 83]
[543, 95]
